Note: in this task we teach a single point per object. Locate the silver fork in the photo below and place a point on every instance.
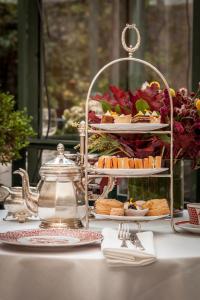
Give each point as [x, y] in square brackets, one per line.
[123, 234]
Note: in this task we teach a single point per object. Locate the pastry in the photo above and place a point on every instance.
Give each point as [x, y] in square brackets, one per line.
[136, 163]
[158, 162]
[123, 163]
[140, 163]
[157, 207]
[101, 161]
[123, 119]
[117, 211]
[141, 118]
[108, 162]
[131, 163]
[146, 163]
[155, 117]
[114, 162]
[103, 206]
[107, 118]
[151, 162]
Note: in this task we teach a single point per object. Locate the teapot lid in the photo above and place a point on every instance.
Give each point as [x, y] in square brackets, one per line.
[61, 159]
[60, 165]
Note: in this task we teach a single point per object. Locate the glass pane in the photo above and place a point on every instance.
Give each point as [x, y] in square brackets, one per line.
[166, 32]
[8, 46]
[80, 37]
[8, 62]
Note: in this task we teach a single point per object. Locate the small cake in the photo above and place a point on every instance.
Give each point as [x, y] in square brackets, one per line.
[107, 118]
[103, 206]
[146, 163]
[117, 211]
[123, 163]
[141, 118]
[155, 117]
[158, 160]
[157, 207]
[114, 162]
[101, 161]
[108, 162]
[131, 163]
[123, 119]
[151, 162]
[140, 163]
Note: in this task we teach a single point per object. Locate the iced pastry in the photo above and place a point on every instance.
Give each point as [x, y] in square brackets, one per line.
[155, 117]
[140, 117]
[107, 118]
[123, 119]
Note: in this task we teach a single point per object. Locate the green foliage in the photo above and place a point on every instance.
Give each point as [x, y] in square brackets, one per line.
[106, 106]
[15, 129]
[142, 105]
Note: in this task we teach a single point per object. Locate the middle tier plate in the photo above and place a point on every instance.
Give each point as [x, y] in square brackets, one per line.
[128, 172]
[129, 126]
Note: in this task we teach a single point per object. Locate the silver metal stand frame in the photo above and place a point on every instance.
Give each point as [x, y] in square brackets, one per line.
[131, 59]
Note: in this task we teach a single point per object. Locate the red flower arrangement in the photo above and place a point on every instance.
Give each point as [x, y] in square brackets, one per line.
[186, 112]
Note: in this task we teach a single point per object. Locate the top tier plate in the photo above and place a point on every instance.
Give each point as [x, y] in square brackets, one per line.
[129, 126]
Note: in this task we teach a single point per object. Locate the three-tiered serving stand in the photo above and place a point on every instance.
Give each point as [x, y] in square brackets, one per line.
[87, 129]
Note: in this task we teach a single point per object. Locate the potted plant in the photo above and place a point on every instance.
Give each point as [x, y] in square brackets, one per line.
[15, 129]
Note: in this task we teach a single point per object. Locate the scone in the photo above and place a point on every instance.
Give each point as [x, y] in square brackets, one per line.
[117, 211]
[103, 206]
[157, 207]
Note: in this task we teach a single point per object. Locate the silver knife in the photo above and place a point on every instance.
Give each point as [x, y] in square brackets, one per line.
[136, 241]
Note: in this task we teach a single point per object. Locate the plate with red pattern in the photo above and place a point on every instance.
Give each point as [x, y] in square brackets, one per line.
[51, 237]
[187, 226]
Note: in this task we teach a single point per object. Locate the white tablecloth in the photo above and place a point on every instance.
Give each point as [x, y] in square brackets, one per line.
[82, 274]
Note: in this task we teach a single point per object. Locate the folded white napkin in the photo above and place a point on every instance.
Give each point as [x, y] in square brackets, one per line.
[118, 256]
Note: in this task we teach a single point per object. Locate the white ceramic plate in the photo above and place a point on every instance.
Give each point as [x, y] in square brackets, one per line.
[129, 126]
[50, 237]
[137, 172]
[128, 218]
[185, 225]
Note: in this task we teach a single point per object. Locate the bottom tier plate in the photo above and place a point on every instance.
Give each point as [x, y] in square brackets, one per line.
[128, 218]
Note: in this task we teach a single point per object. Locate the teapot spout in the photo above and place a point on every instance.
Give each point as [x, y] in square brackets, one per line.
[31, 198]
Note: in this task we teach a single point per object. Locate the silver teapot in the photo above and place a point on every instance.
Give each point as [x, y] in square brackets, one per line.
[15, 205]
[60, 192]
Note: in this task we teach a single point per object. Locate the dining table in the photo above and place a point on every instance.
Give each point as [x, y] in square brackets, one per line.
[82, 273]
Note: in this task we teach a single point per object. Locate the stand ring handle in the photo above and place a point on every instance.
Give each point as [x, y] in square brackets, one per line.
[130, 49]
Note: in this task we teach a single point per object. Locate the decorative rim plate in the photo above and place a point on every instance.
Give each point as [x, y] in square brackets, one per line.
[50, 237]
[129, 126]
[185, 225]
[128, 218]
[137, 172]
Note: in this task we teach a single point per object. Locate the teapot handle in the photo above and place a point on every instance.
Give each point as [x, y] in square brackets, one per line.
[3, 194]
